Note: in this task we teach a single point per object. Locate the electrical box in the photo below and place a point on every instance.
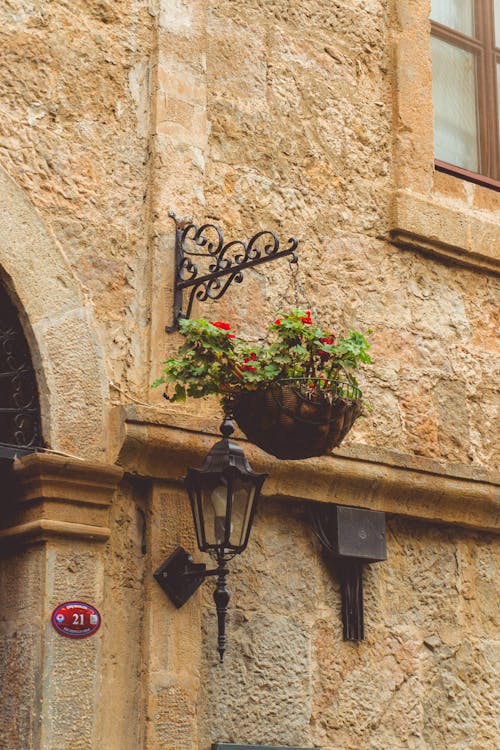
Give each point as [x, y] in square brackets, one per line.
[359, 533]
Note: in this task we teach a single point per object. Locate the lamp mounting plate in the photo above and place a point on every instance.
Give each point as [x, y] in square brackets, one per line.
[180, 577]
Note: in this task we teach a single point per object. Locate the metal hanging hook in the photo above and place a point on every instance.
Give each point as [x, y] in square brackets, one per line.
[224, 264]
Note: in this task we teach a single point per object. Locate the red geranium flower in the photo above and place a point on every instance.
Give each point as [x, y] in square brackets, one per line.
[326, 340]
[307, 318]
[277, 322]
[224, 327]
[251, 358]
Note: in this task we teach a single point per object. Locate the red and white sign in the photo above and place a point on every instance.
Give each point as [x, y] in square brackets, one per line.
[76, 619]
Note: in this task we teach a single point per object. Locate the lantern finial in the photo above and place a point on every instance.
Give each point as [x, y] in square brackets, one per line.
[227, 426]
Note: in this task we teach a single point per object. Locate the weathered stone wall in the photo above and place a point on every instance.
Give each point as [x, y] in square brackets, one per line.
[300, 139]
[312, 119]
[259, 114]
[425, 677]
[74, 128]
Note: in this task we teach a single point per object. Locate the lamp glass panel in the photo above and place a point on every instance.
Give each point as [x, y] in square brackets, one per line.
[497, 23]
[454, 93]
[195, 497]
[214, 502]
[457, 14]
[243, 500]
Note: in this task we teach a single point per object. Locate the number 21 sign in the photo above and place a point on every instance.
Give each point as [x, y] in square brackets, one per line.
[76, 619]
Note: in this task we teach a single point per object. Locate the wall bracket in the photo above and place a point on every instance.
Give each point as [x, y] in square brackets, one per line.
[180, 577]
[226, 262]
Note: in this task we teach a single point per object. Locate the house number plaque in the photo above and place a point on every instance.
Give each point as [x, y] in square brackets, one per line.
[76, 619]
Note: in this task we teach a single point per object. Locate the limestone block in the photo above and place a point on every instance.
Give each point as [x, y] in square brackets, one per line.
[77, 417]
[19, 674]
[267, 659]
[122, 630]
[463, 690]
[173, 721]
[359, 692]
[269, 572]
[21, 648]
[74, 572]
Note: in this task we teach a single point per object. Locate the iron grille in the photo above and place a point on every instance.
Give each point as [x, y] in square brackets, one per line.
[20, 430]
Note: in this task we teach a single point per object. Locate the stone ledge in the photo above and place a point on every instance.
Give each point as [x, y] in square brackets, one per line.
[49, 495]
[44, 529]
[362, 476]
[57, 477]
[463, 237]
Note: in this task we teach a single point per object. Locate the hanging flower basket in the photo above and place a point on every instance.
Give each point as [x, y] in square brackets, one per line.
[294, 419]
[295, 395]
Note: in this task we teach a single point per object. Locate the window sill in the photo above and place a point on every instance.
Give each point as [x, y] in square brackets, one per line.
[458, 234]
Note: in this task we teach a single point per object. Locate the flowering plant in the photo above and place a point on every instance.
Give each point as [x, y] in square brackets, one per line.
[213, 360]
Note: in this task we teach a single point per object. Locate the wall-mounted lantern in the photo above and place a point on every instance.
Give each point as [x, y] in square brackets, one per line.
[223, 496]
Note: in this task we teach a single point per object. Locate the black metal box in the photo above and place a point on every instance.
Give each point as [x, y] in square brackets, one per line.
[359, 533]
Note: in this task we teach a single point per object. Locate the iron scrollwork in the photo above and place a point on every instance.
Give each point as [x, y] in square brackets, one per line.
[19, 407]
[224, 261]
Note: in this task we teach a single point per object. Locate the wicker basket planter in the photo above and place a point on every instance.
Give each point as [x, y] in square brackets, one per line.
[291, 421]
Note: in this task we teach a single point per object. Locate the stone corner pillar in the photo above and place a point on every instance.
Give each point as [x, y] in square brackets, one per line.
[54, 519]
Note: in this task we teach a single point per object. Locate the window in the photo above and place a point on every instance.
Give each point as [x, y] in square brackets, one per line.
[465, 47]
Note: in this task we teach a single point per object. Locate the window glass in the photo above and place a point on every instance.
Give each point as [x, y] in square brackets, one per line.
[497, 23]
[455, 105]
[457, 14]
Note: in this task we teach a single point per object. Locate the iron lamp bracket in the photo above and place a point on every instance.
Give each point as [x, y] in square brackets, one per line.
[224, 262]
[180, 577]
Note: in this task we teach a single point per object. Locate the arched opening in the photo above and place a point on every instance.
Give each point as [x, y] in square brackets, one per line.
[20, 423]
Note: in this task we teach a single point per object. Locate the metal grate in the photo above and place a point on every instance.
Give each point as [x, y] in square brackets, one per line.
[20, 430]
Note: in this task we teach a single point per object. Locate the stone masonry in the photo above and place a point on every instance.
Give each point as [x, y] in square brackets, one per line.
[312, 118]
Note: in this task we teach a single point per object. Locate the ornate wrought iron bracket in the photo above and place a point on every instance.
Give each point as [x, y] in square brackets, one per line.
[224, 261]
[353, 537]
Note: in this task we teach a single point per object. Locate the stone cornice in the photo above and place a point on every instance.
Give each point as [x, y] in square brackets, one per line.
[44, 529]
[50, 495]
[361, 475]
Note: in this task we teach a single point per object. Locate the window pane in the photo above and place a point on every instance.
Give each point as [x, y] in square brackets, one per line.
[455, 108]
[457, 14]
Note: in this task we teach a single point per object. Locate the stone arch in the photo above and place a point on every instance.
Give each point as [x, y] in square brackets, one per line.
[59, 326]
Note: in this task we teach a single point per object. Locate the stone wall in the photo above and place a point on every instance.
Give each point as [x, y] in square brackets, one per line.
[311, 119]
[288, 116]
[423, 678]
